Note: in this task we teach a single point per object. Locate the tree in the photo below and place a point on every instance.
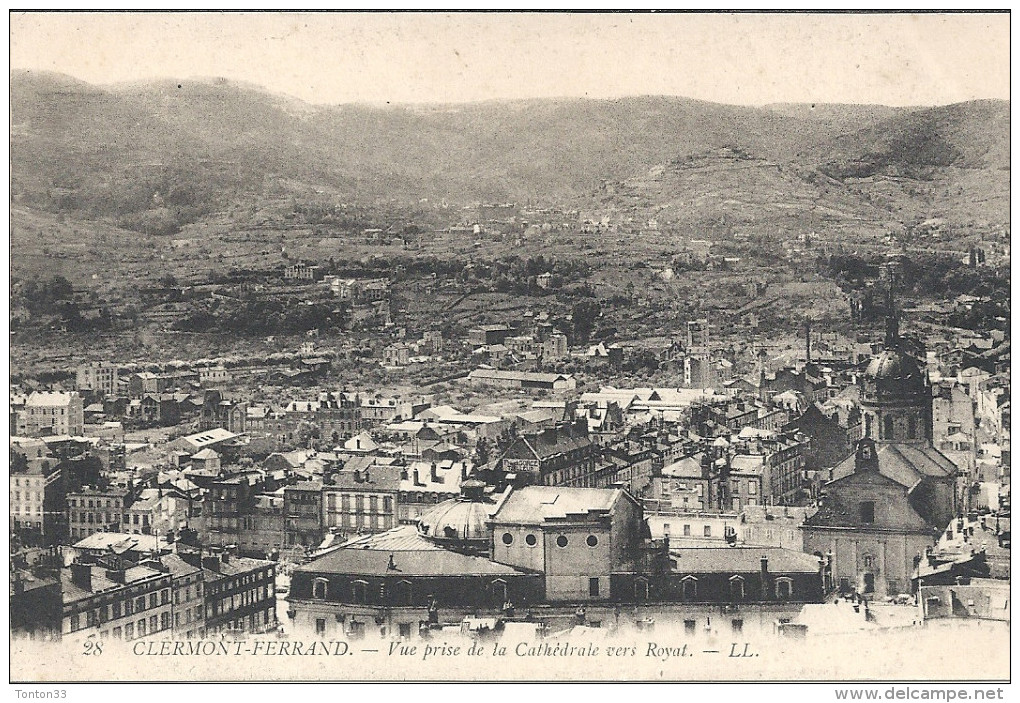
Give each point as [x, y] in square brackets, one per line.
[482, 452]
[583, 317]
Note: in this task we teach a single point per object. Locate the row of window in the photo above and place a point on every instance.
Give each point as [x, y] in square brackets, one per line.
[359, 503]
[143, 628]
[689, 588]
[239, 600]
[117, 610]
[98, 518]
[561, 541]
[403, 592]
[94, 503]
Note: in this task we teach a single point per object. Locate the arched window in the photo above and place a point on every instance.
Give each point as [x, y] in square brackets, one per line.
[320, 588]
[784, 588]
[689, 588]
[359, 592]
[641, 588]
[402, 593]
[888, 422]
[499, 591]
[736, 588]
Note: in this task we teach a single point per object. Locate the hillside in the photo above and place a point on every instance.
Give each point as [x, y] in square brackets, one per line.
[154, 156]
[950, 161]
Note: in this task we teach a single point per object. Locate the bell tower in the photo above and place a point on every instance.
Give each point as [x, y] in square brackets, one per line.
[896, 393]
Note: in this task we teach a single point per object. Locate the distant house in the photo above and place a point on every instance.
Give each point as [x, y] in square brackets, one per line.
[301, 272]
[488, 334]
[194, 443]
[51, 413]
[557, 456]
[396, 354]
[97, 377]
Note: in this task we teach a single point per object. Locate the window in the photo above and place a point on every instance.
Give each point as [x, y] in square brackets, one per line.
[141, 627]
[869, 561]
[687, 530]
[402, 593]
[736, 588]
[708, 530]
[530, 540]
[358, 590]
[164, 621]
[689, 626]
[129, 631]
[867, 511]
[508, 539]
[887, 422]
[320, 626]
[319, 588]
[561, 541]
[593, 587]
[784, 588]
[689, 588]
[640, 588]
[752, 487]
[737, 625]
[499, 591]
[592, 541]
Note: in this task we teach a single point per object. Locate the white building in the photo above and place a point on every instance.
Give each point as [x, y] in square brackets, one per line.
[50, 413]
[99, 377]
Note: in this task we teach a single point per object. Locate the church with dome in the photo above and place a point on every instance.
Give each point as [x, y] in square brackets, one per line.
[888, 502]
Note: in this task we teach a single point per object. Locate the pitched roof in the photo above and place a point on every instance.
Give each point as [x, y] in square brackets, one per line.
[906, 464]
[412, 555]
[121, 542]
[379, 478]
[688, 467]
[741, 560]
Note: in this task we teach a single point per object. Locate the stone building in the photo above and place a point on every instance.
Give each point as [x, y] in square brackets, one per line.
[888, 502]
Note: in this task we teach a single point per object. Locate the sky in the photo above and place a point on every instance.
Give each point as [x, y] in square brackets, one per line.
[745, 59]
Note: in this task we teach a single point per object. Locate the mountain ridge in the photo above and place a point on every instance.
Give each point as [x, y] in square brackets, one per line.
[119, 151]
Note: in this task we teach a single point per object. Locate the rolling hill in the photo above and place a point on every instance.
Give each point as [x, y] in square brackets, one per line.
[155, 155]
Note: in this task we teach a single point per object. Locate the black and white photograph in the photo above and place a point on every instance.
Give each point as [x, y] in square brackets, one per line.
[511, 347]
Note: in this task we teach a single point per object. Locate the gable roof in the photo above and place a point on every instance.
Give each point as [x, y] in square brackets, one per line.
[412, 555]
[906, 464]
[741, 560]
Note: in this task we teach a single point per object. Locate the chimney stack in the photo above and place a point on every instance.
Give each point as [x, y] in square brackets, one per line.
[434, 473]
[81, 575]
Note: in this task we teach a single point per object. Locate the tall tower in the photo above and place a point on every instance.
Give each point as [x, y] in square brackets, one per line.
[896, 394]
